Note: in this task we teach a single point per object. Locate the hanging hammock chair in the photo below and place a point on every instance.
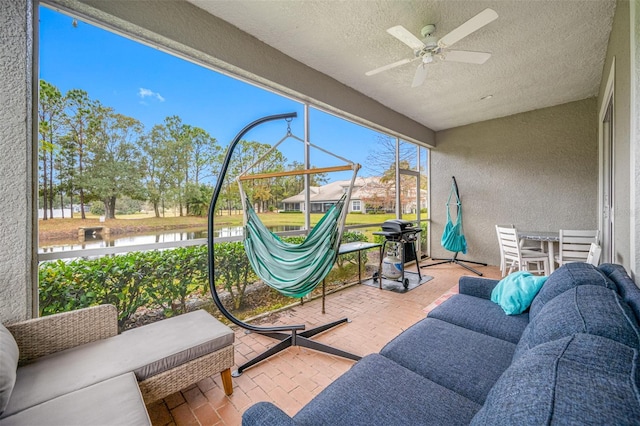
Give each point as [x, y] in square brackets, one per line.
[292, 269]
[453, 238]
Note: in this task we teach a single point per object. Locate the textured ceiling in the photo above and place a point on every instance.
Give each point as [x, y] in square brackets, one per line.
[544, 53]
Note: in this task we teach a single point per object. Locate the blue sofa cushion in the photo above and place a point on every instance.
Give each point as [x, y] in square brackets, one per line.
[626, 287]
[567, 277]
[584, 309]
[481, 315]
[581, 379]
[475, 286]
[467, 362]
[266, 414]
[376, 390]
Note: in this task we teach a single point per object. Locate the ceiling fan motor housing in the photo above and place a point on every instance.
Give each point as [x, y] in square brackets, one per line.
[430, 41]
[427, 30]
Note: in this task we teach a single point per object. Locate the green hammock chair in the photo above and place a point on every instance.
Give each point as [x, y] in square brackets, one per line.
[293, 269]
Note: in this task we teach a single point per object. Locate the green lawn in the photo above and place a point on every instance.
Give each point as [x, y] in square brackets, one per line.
[125, 224]
[297, 219]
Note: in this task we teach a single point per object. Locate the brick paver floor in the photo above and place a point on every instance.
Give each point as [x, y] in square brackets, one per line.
[293, 377]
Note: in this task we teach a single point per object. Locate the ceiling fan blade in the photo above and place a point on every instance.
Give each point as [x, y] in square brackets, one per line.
[402, 34]
[420, 76]
[473, 24]
[388, 67]
[465, 56]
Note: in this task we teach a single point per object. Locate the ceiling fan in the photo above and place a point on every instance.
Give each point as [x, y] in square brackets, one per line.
[429, 47]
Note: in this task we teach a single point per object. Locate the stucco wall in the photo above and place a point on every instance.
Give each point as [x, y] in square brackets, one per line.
[619, 48]
[16, 257]
[537, 170]
[635, 117]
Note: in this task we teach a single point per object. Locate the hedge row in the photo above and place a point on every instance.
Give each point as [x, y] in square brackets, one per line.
[161, 279]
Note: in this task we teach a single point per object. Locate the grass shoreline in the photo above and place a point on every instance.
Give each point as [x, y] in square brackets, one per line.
[66, 229]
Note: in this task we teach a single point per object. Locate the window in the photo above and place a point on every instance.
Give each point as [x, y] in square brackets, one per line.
[163, 136]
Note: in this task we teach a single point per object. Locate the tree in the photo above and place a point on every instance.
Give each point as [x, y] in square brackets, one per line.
[294, 184]
[114, 168]
[246, 154]
[65, 165]
[50, 118]
[382, 158]
[381, 162]
[178, 142]
[205, 153]
[79, 116]
[178, 156]
[198, 198]
[159, 166]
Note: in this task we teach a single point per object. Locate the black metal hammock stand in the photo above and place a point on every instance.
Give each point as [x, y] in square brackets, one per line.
[288, 335]
[453, 236]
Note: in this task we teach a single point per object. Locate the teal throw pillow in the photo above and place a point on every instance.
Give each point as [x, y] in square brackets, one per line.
[515, 292]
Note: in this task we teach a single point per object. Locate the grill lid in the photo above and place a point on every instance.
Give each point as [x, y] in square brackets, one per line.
[399, 226]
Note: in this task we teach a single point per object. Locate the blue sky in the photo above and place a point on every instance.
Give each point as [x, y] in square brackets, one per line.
[149, 85]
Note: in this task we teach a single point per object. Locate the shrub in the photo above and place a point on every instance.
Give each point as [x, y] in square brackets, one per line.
[97, 208]
[179, 273]
[63, 288]
[153, 279]
[379, 239]
[233, 270]
[122, 281]
[158, 279]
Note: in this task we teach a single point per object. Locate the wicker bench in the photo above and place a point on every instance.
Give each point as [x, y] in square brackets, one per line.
[80, 351]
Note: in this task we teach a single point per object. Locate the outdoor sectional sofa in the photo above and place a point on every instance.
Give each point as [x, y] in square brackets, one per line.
[75, 369]
[571, 358]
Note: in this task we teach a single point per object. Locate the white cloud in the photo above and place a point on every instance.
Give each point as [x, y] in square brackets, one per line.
[143, 93]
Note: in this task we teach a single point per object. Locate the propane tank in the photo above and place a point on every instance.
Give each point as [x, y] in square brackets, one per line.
[391, 265]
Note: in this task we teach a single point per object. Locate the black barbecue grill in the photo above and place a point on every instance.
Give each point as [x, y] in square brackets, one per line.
[405, 234]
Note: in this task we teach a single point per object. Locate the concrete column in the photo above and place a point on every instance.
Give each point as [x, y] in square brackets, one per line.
[635, 135]
[17, 253]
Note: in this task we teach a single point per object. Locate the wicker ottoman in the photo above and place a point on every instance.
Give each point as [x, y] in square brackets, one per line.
[165, 356]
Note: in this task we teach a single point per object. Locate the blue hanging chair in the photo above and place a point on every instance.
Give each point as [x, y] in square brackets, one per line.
[453, 238]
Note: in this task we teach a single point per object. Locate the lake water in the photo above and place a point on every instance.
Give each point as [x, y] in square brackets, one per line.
[98, 241]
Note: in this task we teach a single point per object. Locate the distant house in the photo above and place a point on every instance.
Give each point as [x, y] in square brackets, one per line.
[368, 193]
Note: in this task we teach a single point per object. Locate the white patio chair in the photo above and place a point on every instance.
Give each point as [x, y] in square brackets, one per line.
[575, 245]
[503, 265]
[594, 254]
[523, 246]
[512, 256]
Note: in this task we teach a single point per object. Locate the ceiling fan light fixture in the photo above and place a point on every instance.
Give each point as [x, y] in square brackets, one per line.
[427, 58]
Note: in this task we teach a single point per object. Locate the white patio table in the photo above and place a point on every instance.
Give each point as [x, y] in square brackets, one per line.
[549, 237]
